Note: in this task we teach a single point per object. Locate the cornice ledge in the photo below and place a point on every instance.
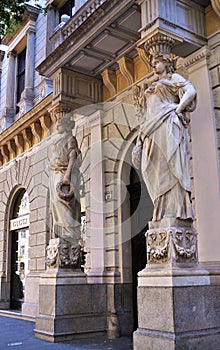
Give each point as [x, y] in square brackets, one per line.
[95, 118]
[196, 57]
[26, 120]
[216, 7]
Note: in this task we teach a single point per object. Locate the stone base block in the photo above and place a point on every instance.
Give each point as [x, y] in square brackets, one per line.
[178, 317]
[61, 328]
[144, 340]
[31, 298]
[70, 308]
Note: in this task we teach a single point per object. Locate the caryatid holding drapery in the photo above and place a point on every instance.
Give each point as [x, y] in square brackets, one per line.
[163, 141]
[65, 205]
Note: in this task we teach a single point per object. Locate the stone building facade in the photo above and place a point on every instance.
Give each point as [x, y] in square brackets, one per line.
[86, 59]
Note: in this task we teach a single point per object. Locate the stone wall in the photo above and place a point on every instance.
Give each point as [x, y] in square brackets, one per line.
[29, 171]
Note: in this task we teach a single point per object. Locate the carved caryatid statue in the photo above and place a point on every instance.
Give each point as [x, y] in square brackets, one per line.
[163, 143]
[65, 206]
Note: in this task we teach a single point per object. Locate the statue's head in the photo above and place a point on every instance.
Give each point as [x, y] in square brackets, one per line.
[168, 61]
[158, 49]
[65, 124]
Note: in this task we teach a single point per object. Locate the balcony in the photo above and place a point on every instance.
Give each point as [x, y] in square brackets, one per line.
[95, 38]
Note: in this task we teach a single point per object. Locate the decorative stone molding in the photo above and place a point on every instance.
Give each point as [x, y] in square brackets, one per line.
[5, 152]
[144, 58]
[73, 90]
[109, 80]
[172, 243]
[127, 69]
[82, 15]
[62, 254]
[19, 142]
[159, 44]
[45, 123]
[12, 148]
[52, 251]
[59, 111]
[36, 131]
[200, 55]
[45, 88]
[138, 97]
[184, 21]
[216, 7]
[27, 136]
[26, 132]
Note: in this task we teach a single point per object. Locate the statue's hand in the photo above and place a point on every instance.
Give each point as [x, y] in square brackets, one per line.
[184, 119]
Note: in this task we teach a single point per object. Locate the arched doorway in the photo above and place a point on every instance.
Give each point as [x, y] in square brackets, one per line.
[135, 210]
[18, 246]
[141, 209]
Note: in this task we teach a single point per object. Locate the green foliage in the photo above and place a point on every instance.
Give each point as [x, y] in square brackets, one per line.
[11, 13]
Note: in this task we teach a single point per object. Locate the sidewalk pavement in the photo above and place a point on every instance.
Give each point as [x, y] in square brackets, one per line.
[18, 334]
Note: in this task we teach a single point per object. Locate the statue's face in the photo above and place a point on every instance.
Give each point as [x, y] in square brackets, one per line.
[159, 66]
[60, 127]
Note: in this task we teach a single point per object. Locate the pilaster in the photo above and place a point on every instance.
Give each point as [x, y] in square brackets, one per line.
[97, 222]
[203, 127]
[27, 96]
[9, 110]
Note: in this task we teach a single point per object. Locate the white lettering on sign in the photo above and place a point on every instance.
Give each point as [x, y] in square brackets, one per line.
[21, 222]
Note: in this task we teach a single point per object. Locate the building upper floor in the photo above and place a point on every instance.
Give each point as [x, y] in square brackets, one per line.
[84, 52]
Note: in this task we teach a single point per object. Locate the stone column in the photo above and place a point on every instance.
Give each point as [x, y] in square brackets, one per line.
[26, 102]
[172, 288]
[30, 59]
[9, 111]
[2, 54]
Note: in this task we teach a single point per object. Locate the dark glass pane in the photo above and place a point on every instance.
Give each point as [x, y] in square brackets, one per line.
[67, 8]
[21, 73]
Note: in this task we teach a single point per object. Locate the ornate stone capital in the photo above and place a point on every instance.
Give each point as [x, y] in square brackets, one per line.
[159, 44]
[59, 111]
[62, 254]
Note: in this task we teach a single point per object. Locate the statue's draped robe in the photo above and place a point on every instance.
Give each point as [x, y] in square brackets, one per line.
[65, 214]
[165, 154]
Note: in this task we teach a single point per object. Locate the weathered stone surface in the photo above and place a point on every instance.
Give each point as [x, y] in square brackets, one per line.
[173, 318]
[68, 310]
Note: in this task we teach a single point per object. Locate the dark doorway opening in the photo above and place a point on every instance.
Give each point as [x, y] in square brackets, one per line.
[19, 229]
[141, 209]
[16, 295]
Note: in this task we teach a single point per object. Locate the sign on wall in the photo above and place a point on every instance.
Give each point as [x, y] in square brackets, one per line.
[18, 223]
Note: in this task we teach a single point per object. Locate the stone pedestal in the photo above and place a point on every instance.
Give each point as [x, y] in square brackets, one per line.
[68, 306]
[177, 306]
